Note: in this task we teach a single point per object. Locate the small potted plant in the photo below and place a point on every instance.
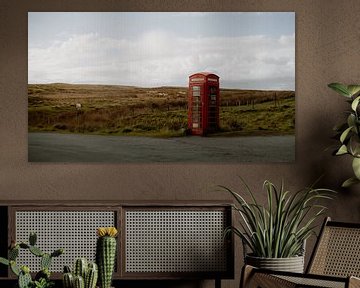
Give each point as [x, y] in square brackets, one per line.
[276, 233]
[84, 274]
[349, 132]
[42, 278]
[106, 254]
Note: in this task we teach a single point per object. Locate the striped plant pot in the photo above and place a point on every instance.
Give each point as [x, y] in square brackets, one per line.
[291, 264]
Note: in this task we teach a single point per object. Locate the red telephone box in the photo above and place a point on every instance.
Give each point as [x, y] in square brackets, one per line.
[203, 103]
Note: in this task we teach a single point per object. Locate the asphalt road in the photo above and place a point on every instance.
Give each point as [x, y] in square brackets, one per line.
[55, 147]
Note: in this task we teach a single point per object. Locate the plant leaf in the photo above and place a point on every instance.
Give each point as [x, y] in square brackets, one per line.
[345, 134]
[342, 150]
[355, 103]
[279, 228]
[354, 143]
[353, 89]
[349, 182]
[341, 127]
[14, 268]
[351, 119]
[356, 167]
[4, 261]
[340, 88]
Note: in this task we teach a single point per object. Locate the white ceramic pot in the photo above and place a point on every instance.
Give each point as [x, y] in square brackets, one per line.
[291, 264]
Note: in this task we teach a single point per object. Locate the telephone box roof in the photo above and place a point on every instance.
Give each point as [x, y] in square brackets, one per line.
[206, 74]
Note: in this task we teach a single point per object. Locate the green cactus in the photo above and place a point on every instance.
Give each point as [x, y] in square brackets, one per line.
[13, 253]
[24, 245]
[68, 280]
[87, 272]
[81, 265]
[79, 282]
[32, 238]
[45, 261]
[105, 258]
[43, 274]
[57, 252]
[4, 261]
[14, 268]
[91, 276]
[36, 251]
[24, 280]
[42, 278]
[67, 269]
[92, 266]
[25, 269]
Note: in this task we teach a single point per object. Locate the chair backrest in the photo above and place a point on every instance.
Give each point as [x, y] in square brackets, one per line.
[337, 251]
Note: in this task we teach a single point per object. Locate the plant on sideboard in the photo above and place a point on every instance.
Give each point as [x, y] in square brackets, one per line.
[42, 278]
[349, 132]
[106, 254]
[84, 275]
[280, 228]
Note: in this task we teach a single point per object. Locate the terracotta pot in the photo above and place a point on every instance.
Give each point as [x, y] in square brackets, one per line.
[291, 264]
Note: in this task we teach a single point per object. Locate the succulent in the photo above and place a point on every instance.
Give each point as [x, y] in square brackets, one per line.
[42, 278]
[57, 252]
[36, 251]
[68, 278]
[4, 261]
[91, 276]
[13, 253]
[79, 282]
[106, 254]
[67, 269]
[80, 268]
[42, 283]
[14, 268]
[32, 239]
[43, 274]
[24, 277]
[85, 275]
[45, 261]
[24, 245]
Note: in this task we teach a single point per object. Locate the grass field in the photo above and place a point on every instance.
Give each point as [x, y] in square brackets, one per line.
[159, 112]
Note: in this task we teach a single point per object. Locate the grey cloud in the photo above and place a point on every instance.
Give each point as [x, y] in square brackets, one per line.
[157, 58]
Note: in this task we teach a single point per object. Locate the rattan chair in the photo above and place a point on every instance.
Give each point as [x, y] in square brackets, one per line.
[334, 263]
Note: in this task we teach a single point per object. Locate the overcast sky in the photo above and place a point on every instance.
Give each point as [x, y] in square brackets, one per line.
[249, 50]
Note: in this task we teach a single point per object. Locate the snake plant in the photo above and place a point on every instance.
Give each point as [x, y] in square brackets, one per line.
[279, 228]
[349, 132]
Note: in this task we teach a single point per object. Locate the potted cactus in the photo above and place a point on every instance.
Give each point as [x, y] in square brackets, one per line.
[106, 254]
[42, 278]
[84, 275]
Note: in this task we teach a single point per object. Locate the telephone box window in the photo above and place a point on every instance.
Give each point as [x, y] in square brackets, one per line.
[196, 107]
[196, 91]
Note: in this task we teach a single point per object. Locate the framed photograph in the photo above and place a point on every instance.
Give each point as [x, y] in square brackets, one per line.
[147, 87]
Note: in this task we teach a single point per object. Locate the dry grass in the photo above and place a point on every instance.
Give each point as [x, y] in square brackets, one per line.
[162, 111]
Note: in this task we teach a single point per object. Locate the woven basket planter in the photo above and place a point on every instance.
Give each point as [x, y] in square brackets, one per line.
[291, 264]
